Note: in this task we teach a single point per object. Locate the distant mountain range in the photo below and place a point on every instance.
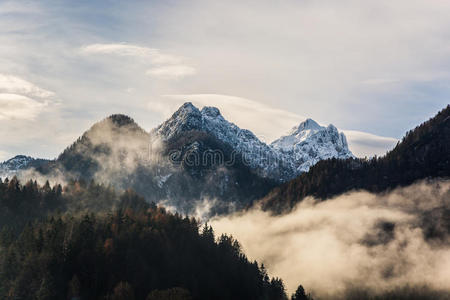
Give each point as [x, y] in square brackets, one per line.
[194, 155]
[11, 166]
[423, 153]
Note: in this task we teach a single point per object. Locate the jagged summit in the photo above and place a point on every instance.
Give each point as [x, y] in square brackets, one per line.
[308, 124]
[210, 121]
[210, 111]
[186, 118]
[297, 134]
[187, 110]
[284, 159]
[306, 130]
[187, 106]
[309, 142]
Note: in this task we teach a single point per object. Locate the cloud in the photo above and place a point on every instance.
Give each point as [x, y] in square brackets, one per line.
[367, 144]
[318, 68]
[267, 122]
[21, 99]
[30, 119]
[374, 242]
[13, 7]
[16, 85]
[19, 107]
[171, 72]
[341, 65]
[152, 55]
[164, 66]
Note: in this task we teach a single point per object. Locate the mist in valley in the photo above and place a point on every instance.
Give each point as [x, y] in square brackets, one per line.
[356, 241]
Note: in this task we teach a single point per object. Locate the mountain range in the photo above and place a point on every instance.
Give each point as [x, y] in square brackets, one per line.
[195, 155]
[113, 244]
[17, 163]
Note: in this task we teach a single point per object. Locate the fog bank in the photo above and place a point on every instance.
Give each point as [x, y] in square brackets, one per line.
[357, 240]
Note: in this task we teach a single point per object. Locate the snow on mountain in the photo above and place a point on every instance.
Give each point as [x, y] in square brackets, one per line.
[255, 153]
[12, 166]
[284, 159]
[296, 135]
[309, 143]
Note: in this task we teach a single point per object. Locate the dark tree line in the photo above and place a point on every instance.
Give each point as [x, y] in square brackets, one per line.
[423, 153]
[21, 203]
[50, 248]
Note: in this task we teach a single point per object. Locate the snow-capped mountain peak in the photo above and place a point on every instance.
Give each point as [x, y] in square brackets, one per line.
[187, 117]
[308, 124]
[297, 134]
[11, 166]
[210, 120]
[284, 159]
[212, 112]
[309, 142]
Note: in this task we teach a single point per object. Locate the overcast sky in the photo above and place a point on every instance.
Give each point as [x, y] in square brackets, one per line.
[374, 69]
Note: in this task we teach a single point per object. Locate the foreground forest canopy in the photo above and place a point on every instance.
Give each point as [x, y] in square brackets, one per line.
[422, 153]
[134, 251]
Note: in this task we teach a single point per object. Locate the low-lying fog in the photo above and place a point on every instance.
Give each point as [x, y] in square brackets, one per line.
[362, 240]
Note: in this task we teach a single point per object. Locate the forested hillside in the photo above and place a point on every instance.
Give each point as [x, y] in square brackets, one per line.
[22, 203]
[422, 153]
[128, 249]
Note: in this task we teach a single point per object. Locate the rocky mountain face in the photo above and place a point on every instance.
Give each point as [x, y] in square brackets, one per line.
[282, 160]
[196, 155]
[258, 156]
[308, 143]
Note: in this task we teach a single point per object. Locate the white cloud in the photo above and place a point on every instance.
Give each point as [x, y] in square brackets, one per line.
[154, 56]
[334, 245]
[15, 106]
[164, 66]
[21, 99]
[15, 85]
[267, 122]
[14, 7]
[391, 69]
[171, 72]
[366, 144]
